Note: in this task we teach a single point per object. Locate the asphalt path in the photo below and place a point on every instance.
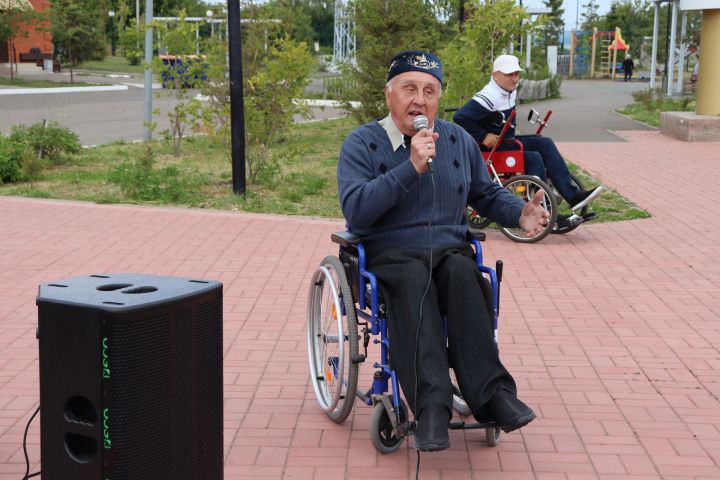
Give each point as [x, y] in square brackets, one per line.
[97, 117]
[585, 113]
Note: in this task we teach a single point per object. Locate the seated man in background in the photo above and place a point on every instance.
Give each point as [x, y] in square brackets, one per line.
[411, 216]
[479, 117]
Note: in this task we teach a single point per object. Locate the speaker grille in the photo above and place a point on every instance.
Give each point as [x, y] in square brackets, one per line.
[167, 395]
[210, 417]
[140, 419]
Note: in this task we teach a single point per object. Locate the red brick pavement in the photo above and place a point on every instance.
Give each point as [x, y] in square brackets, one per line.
[611, 330]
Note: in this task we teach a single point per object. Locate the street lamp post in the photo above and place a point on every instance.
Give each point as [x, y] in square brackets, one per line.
[111, 16]
[209, 14]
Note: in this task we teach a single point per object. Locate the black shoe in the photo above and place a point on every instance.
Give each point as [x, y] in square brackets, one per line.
[508, 411]
[583, 198]
[562, 223]
[431, 431]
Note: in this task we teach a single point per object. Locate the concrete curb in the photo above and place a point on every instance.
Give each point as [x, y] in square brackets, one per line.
[28, 91]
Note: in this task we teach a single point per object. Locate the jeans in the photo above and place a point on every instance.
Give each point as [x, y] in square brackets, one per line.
[553, 162]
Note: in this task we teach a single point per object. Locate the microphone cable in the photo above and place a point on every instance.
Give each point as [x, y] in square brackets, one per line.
[27, 459]
[422, 301]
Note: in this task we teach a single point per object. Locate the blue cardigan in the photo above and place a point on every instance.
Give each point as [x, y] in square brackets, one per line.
[387, 202]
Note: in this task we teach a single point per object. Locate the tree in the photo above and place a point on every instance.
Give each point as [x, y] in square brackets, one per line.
[383, 29]
[322, 18]
[172, 8]
[590, 17]
[554, 24]
[294, 18]
[14, 23]
[77, 30]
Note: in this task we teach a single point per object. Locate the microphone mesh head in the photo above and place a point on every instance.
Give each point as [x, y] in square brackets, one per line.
[420, 122]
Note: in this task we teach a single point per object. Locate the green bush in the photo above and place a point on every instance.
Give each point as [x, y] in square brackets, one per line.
[11, 159]
[52, 142]
[139, 181]
[132, 41]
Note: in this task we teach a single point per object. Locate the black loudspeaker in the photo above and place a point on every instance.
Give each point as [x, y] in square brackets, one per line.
[131, 383]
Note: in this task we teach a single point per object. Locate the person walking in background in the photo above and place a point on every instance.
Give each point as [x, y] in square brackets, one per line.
[628, 66]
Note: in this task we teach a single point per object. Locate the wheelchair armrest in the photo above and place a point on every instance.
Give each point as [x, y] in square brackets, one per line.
[479, 236]
[513, 141]
[345, 238]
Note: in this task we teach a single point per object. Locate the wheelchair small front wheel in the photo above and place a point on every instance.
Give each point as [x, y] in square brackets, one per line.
[492, 435]
[382, 434]
[332, 339]
[458, 402]
[525, 187]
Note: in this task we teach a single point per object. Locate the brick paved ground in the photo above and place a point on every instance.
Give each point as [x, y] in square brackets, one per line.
[611, 331]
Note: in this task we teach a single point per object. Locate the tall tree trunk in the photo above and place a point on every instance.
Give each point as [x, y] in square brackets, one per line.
[13, 61]
[70, 58]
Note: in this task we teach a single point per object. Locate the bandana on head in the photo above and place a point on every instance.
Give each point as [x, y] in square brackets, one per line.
[415, 61]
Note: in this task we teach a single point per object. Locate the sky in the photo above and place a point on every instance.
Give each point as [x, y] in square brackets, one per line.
[570, 7]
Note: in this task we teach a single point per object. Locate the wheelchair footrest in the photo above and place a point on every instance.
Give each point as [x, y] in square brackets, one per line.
[590, 216]
[405, 429]
[471, 426]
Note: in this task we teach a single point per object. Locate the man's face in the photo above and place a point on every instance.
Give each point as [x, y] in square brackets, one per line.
[412, 94]
[507, 81]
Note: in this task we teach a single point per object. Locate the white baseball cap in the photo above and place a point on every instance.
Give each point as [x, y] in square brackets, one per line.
[507, 64]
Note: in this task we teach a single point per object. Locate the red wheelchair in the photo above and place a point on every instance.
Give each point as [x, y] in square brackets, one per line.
[507, 168]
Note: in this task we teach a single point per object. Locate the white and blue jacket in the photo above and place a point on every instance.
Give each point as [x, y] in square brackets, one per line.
[479, 115]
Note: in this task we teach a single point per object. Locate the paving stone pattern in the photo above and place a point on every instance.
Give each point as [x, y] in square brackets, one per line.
[612, 331]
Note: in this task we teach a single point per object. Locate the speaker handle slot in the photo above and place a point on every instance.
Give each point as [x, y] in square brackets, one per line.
[143, 289]
[111, 287]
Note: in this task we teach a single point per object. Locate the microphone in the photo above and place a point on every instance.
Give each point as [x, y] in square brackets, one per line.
[419, 123]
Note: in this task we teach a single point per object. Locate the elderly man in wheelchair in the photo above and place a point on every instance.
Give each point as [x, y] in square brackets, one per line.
[482, 118]
[404, 185]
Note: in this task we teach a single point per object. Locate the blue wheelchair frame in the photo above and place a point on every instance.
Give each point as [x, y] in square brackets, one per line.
[358, 275]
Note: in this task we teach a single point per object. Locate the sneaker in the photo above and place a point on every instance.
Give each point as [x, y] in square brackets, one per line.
[583, 198]
[562, 223]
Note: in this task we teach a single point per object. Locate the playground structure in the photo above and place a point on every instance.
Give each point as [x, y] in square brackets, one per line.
[584, 52]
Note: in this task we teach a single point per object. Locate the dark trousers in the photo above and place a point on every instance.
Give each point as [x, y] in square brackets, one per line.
[458, 291]
[628, 75]
[553, 163]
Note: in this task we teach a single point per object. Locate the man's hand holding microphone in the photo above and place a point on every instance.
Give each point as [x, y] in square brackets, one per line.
[422, 145]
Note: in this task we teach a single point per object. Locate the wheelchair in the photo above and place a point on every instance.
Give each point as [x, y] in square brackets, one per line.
[507, 167]
[344, 310]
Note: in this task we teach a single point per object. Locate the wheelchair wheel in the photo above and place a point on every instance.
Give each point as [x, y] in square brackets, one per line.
[565, 209]
[492, 435]
[332, 339]
[458, 401]
[382, 435]
[525, 188]
[475, 220]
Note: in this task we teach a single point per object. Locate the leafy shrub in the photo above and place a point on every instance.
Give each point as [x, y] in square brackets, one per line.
[132, 41]
[52, 142]
[11, 159]
[139, 181]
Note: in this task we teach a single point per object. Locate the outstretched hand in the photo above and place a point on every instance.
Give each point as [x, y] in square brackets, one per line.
[534, 218]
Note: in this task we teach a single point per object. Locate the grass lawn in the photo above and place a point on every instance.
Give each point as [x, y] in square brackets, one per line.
[114, 65]
[202, 177]
[649, 111]
[20, 83]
